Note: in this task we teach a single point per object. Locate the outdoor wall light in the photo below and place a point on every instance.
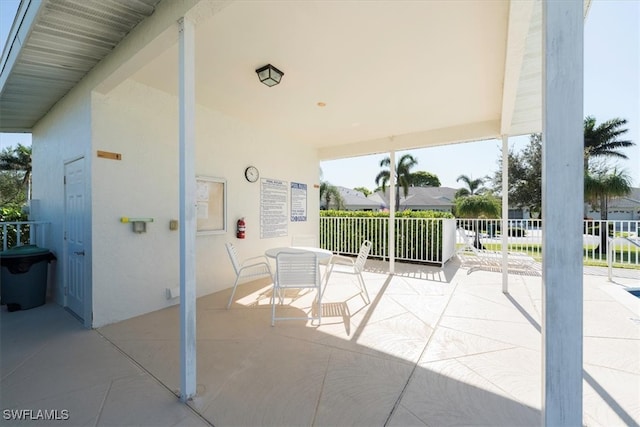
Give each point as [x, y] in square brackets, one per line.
[269, 75]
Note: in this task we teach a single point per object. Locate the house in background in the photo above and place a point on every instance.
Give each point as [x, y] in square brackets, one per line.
[625, 208]
[354, 200]
[420, 199]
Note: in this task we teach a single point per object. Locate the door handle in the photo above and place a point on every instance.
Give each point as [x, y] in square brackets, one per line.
[79, 253]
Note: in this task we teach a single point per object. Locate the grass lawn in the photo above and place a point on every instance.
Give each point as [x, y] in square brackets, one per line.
[625, 256]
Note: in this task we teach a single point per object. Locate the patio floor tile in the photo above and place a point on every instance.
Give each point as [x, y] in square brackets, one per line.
[435, 347]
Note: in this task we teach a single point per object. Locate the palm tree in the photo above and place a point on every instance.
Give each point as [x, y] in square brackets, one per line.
[477, 206]
[403, 175]
[330, 194]
[474, 186]
[18, 159]
[602, 140]
[599, 188]
[363, 190]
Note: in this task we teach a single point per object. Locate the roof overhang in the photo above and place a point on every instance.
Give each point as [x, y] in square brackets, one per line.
[52, 45]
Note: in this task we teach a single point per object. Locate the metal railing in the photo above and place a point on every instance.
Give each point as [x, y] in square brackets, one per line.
[434, 241]
[18, 233]
[427, 240]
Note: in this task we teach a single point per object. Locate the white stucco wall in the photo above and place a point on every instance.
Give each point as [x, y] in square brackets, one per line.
[131, 271]
[127, 272]
[63, 135]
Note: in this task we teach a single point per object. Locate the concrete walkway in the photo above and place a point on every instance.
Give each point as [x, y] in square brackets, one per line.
[51, 363]
[435, 347]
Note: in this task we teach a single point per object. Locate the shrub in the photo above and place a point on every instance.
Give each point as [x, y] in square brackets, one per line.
[420, 239]
[13, 213]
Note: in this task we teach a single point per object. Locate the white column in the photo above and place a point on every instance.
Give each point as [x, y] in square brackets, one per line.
[392, 212]
[187, 100]
[562, 201]
[505, 213]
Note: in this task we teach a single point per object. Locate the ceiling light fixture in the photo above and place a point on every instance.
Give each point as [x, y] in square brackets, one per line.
[269, 75]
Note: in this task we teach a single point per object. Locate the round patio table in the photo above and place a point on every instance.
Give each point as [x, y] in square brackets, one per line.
[322, 254]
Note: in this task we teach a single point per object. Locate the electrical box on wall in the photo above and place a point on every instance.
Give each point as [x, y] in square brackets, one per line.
[139, 225]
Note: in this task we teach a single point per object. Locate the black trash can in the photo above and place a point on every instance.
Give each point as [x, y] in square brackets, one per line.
[23, 276]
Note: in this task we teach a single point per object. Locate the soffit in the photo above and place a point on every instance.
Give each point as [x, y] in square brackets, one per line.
[52, 45]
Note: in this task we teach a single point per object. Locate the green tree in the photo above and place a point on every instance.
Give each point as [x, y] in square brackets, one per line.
[330, 195]
[603, 140]
[477, 206]
[363, 190]
[424, 179]
[11, 189]
[474, 186]
[600, 187]
[525, 176]
[15, 181]
[402, 175]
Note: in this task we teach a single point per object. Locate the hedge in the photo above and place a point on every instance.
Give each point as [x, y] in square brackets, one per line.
[415, 240]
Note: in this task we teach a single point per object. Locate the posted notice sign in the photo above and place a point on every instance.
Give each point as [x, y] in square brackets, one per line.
[274, 221]
[298, 202]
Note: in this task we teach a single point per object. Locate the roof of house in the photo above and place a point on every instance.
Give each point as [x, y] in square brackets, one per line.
[354, 198]
[421, 197]
[630, 201]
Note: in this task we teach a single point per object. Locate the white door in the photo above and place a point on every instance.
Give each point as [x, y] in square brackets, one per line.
[74, 239]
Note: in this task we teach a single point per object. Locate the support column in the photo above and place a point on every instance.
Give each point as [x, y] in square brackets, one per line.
[505, 214]
[187, 99]
[562, 202]
[392, 212]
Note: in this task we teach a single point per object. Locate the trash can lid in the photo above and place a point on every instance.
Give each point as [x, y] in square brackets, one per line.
[24, 250]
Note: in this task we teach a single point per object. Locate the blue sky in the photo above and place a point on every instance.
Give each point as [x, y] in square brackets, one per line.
[612, 56]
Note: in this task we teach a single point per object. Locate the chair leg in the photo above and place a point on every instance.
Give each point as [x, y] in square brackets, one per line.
[363, 287]
[273, 305]
[327, 274]
[233, 292]
[319, 298]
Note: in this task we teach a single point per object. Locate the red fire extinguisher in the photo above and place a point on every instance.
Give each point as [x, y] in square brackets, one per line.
[240, 228]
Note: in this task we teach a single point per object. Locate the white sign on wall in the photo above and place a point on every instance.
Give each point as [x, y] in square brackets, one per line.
[211, 207]
[298, 202]
[274, 218]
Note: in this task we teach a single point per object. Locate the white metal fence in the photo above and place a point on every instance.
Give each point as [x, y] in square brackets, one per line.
[425, 240]
[18, 233]
[434, 241]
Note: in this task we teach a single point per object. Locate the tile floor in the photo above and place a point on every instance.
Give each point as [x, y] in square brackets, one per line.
[435, 347]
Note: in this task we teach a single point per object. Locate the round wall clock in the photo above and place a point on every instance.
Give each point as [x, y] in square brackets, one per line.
[252, 174]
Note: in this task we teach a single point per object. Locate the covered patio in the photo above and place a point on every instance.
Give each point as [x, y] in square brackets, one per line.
[434, 347]
[358, 80]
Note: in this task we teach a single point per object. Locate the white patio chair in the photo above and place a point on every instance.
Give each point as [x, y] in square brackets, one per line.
[296, 270]
[254, 267]
[476, 258]
[347, 265]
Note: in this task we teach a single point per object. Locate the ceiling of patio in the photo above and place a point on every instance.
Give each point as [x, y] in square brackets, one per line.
[392, 74]
[423, 72]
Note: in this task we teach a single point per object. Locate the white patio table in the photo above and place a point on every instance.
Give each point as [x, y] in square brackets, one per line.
[322, 254]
